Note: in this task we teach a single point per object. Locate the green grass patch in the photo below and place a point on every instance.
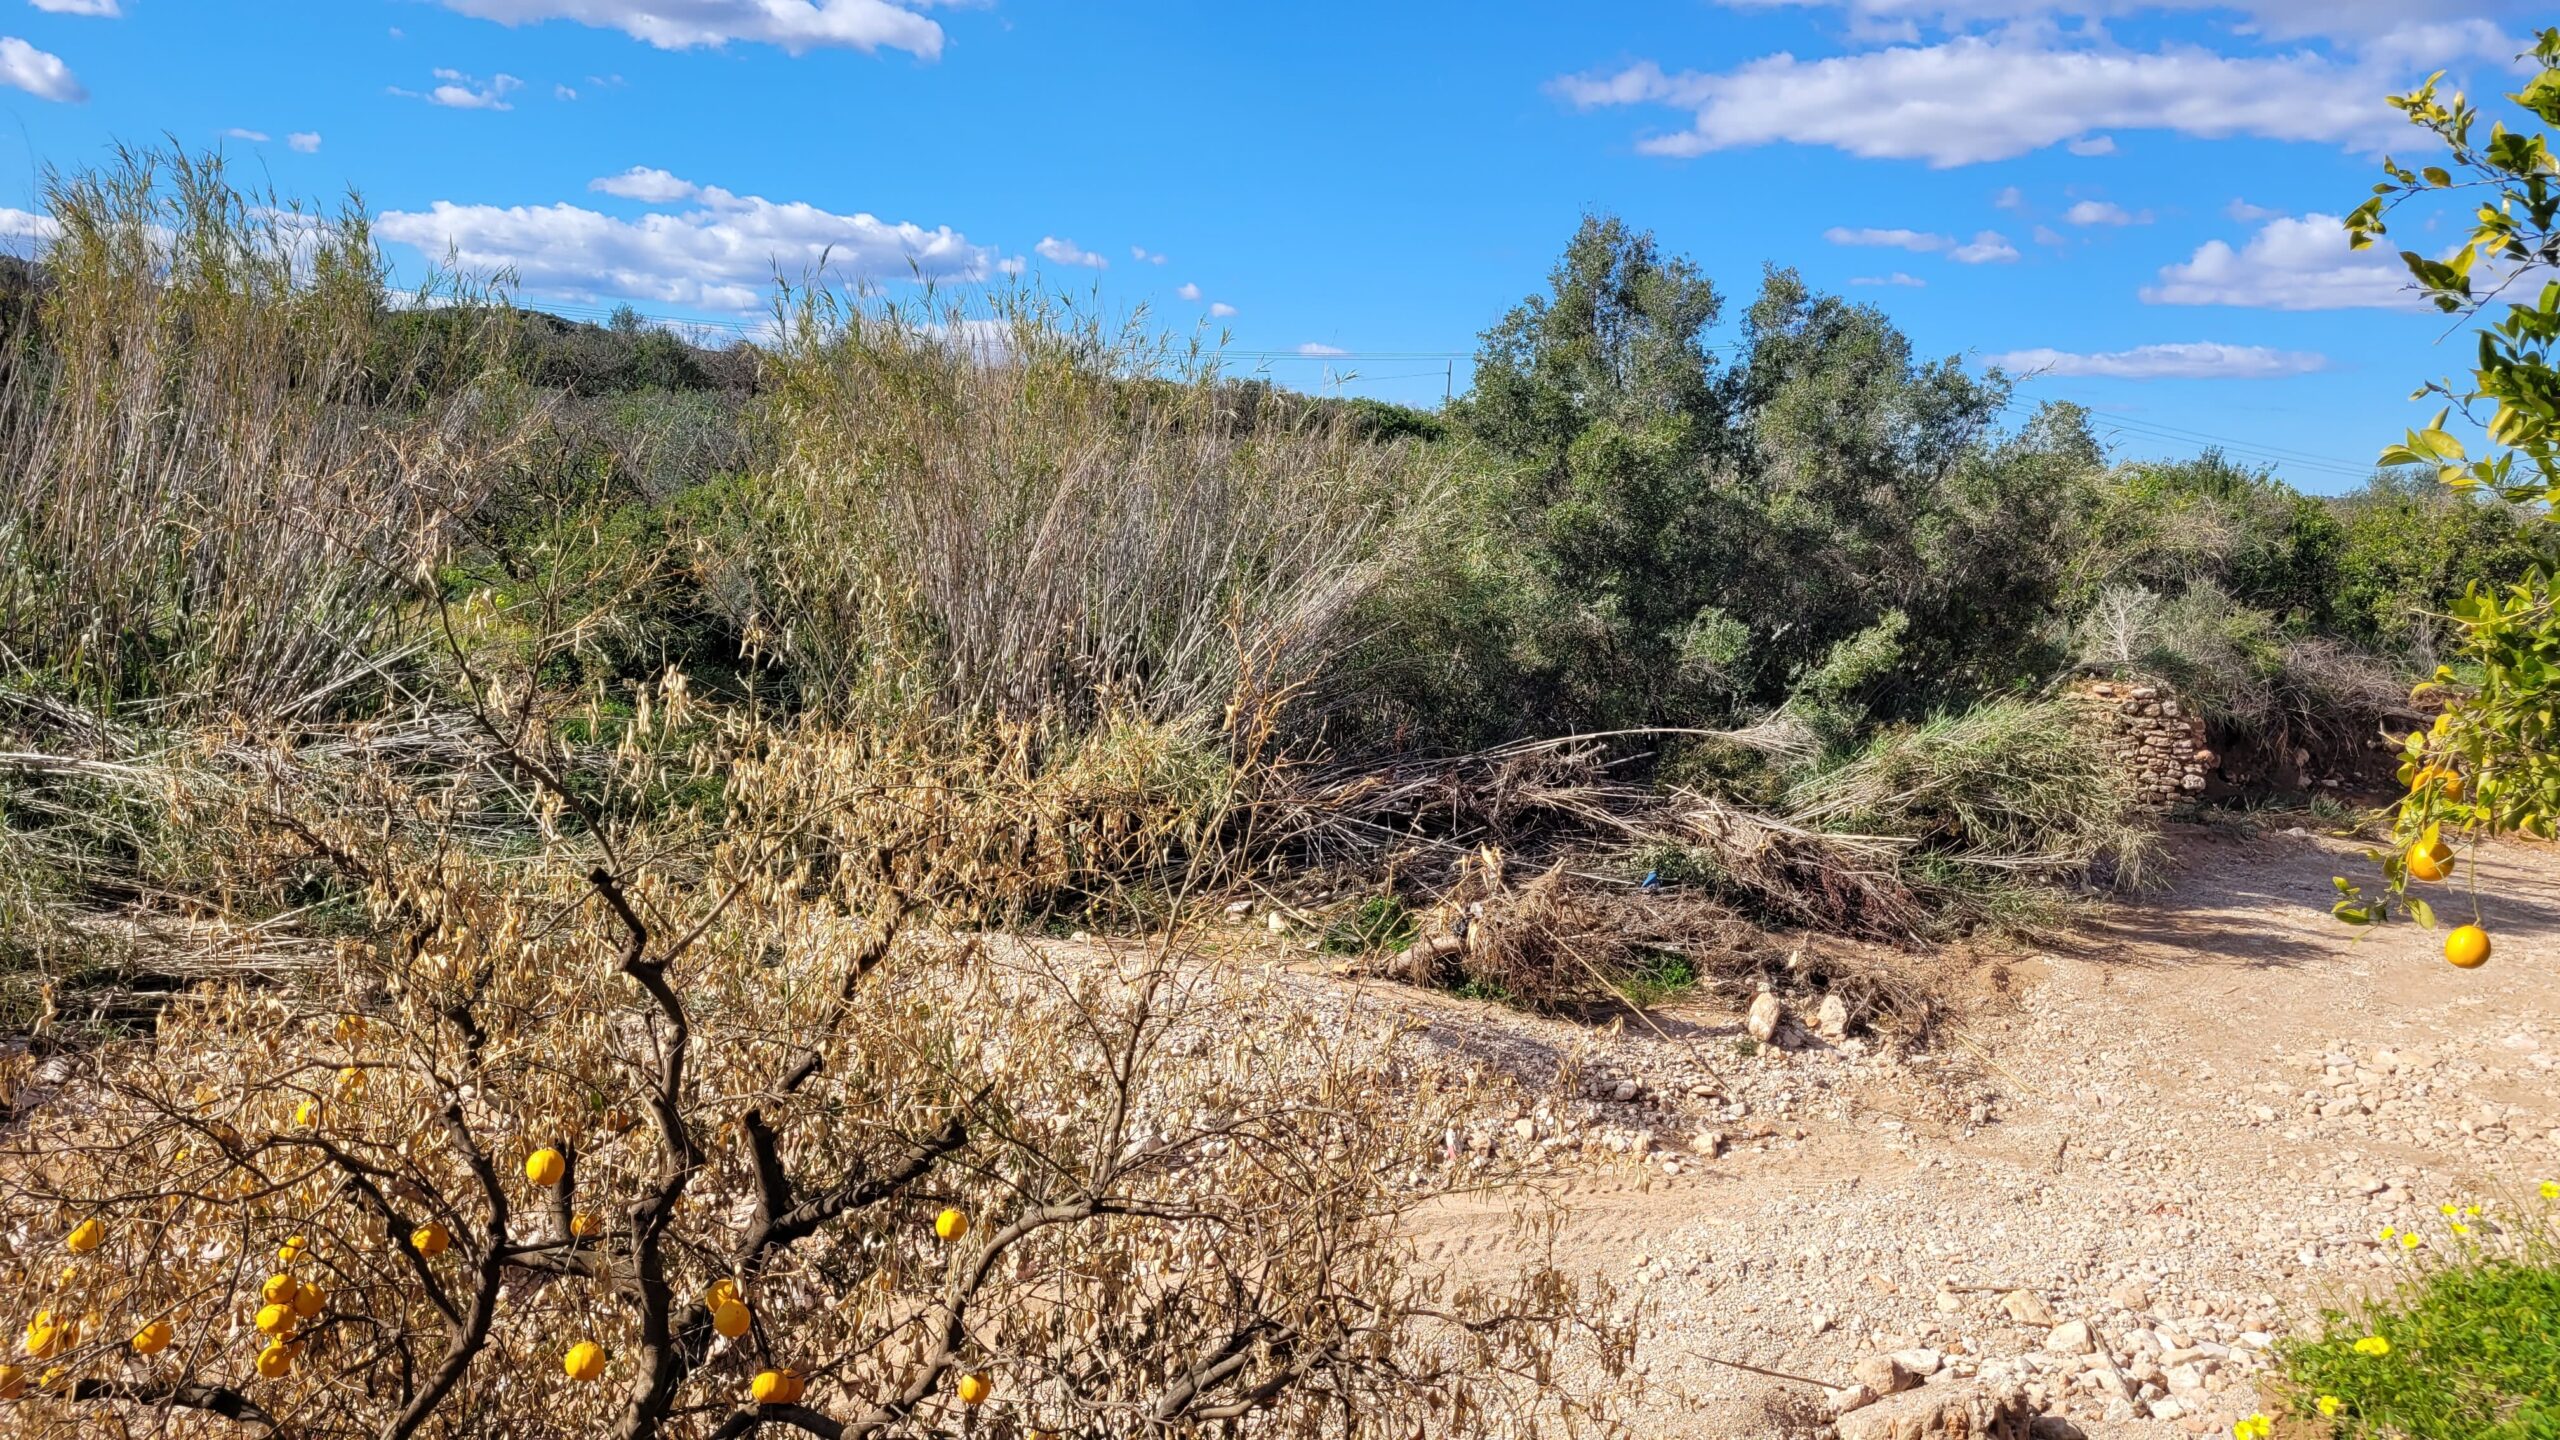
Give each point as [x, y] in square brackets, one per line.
[1376, 925]
[1657, 977]
[2466, 1348]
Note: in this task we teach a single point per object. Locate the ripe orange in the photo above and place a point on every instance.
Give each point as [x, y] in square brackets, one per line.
[730, 1318]
[153, 1338]
[2431, 862]
[975, 1388]
[45, 1336]
[585, 1361]
[308, 1299]
[275, 1319]
[720, 1292]
[278, 1290]
[2467, 947]
[545, 1166]
[430, 1239]
[951, 1224]
[291, 1250]
[778, 1387]
[86, 1236]
[586, 1226]
[276, 1361]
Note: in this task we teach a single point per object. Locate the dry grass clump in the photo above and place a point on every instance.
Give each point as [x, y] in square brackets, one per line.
[199, 498]
[1030, 514]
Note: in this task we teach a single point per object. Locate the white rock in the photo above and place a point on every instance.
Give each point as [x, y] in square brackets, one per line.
[2070, 1338]
[2027, 1308]
[1765, 1018]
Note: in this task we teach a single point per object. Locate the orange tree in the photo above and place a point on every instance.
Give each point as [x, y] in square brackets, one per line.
[657, 1115]
[2488, 765]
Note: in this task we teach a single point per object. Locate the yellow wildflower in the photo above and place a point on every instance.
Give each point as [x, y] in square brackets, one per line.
[2461, 1229]
[2330, 1404]
[2373, 1345]
[2551, 1189]
[2390, 1233]
[2410, 1240]
[2255, 1427]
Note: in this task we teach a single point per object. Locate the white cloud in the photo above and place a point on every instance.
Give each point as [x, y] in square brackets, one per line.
[2367, 24]
[1917, 241]
[304, 142]
[1145, 256]
[254, 137]
[105, 9]
[2193, 361]
[1988, 247]
[797, 26]
[1012, 265]
[2103, 212]
[720, 253]
[564, 92]
[2047, 235]
[28, 225]
[1187, 290]
[2009, 198]
[1976, 98]
[1221, 310]
[1896, 278]
[2292, 263]
[647, 185]
[2092, 145]
[1322, 351]
[1067, 252]
[2248, 214]
[38, 72]
[465, 92]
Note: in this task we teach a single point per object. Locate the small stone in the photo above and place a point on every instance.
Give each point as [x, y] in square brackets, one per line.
[1624, 1091]
[1948, 1302]
[2070, 1338]
[1884, 1375]
[1525, 1128]
[2132, 1295]
[1765, 1018]
[1919, 1361]
[2027, 1308]
[1832, 1020]
[1848, 1398]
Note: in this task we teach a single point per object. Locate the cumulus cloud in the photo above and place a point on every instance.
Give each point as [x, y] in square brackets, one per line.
[1187, 290]
[38, 72]
[645, 184]
[254, 137]
[797, 26]
[720, 252]
[1067, 252]
[304, 142]
[1321, 351]
[1145, 256]
[1919, 241]
[2193, 361]
[457, 91]
[2292, 263]
[104, 9]
[1988, 247]
[1976, 98]
[28, 225]
[1896, 278]
[2092, 145]
[2010, 198]
[1221, 310]
[2103, 212]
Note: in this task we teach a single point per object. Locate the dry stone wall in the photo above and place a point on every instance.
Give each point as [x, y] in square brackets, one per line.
[2158, 740]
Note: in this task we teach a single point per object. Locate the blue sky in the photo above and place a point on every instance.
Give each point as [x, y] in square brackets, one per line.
[2131, 197]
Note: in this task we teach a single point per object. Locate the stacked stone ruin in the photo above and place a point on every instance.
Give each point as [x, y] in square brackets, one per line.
[2159, 742]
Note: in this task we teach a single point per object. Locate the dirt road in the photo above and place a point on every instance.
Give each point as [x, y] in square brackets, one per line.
[2185, 1131]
